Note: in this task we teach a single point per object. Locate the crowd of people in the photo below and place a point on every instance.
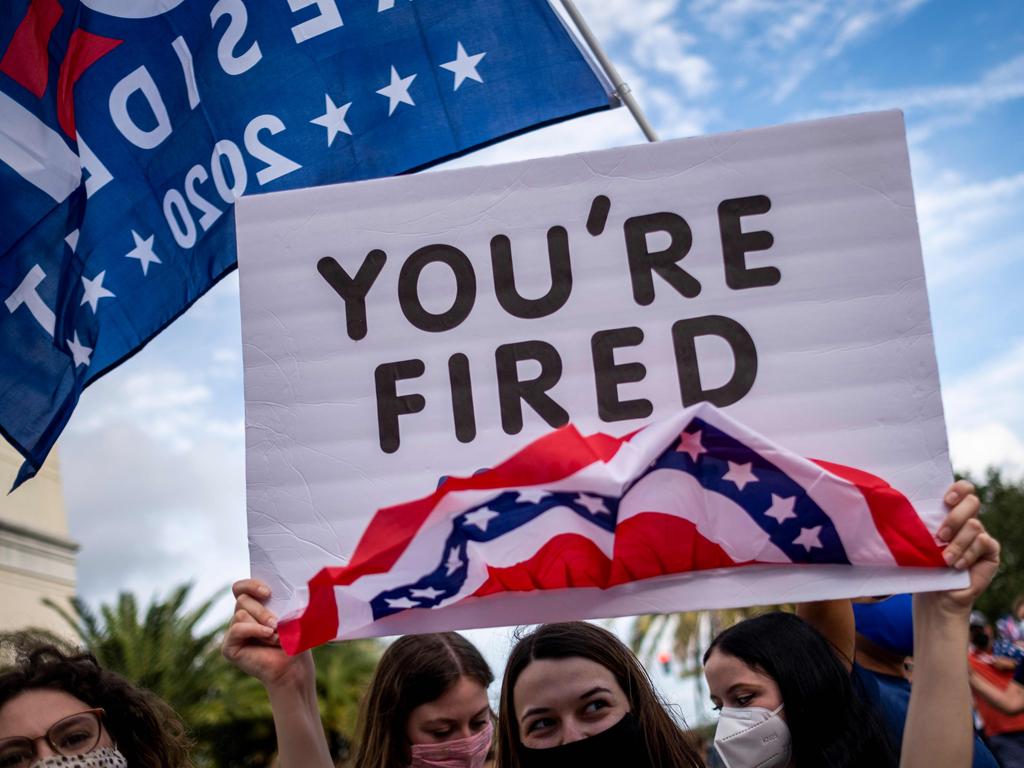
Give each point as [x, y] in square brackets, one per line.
[824, 688]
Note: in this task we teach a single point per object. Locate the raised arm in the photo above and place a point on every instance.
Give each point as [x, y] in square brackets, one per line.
[1009, 701]
[251, 644]
[835, 619]
[939, 730]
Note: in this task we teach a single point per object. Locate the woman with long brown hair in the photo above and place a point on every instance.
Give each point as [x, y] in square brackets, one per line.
[426, 705]
[573, 694]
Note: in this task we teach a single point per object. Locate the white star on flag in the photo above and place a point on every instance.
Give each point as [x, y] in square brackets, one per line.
[531, 495]
[464, 66]
[740, 474]
[385, 5]
[397, 91]
[72, 240]
[426, 594]
[94, 290]
[782, 508]
[333, 119]
[594, 505]
[143, 251]
[809, 538]
[79, 352]
[454, 561]
[401, 602]
[690, 443]
[481, 517]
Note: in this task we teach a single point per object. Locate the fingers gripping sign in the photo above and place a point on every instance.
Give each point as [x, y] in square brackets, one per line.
[969, 546]
[251, 642]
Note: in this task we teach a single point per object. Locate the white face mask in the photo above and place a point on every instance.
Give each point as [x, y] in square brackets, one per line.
[104, 757]
[752, 737]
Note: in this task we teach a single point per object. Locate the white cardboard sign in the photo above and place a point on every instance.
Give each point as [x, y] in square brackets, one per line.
[400, 330]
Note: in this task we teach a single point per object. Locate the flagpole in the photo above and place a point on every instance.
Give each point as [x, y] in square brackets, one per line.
[622, 90]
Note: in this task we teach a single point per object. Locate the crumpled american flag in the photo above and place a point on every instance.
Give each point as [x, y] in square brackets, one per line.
[694, 492]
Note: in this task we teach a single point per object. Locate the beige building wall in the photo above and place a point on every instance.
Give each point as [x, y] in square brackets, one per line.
[37, 557]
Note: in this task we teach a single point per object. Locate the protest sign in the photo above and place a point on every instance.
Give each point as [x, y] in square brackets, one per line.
[401, 330]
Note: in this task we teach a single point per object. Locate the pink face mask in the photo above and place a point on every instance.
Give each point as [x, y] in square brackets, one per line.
[470, 752]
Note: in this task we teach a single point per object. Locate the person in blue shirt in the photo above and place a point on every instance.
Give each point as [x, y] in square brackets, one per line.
[884, 641]
[877, 638]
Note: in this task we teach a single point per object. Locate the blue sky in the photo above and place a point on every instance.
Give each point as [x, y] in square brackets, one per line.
[153, 460]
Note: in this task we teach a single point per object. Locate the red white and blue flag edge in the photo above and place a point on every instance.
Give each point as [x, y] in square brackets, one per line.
[696, 492]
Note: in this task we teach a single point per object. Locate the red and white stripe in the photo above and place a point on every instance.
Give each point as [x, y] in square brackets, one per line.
[667, 524]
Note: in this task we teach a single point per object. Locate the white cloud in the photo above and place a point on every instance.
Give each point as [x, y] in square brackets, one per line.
[959, 218]
[148, 518]
[153, 464]
[985, 414]
[170, 404]
[791, 28]
[1002, 83]
[790, 39]
[934, 109]
[975, 449]
[666, 50]
[649, 37]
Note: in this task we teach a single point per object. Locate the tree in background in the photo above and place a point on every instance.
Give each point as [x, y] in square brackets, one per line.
[685, 637]
[227, 712]
[343, 671]
[161, 650]
[1002, 512]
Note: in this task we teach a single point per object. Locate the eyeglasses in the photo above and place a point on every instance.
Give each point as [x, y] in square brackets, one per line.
[74, 735]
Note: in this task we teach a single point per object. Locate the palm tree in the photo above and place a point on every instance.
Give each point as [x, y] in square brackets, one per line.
[686, 637]
[161, 650]
[343, 671]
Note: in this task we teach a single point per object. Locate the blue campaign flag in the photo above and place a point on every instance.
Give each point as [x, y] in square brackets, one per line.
[128, 128]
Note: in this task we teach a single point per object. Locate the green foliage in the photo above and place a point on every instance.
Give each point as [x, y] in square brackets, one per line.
[1002, 513]
[160, 650]
[343, 672]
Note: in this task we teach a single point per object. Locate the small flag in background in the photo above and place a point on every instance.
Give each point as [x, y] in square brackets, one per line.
[128, 130]
[695, 492]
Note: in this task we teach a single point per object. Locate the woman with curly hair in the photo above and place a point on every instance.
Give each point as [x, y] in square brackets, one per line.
[63, 709]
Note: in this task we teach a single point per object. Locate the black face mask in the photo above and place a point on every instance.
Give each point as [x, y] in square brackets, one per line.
[620, 746]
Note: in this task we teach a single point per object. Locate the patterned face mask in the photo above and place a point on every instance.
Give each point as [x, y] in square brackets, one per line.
[105, 757]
